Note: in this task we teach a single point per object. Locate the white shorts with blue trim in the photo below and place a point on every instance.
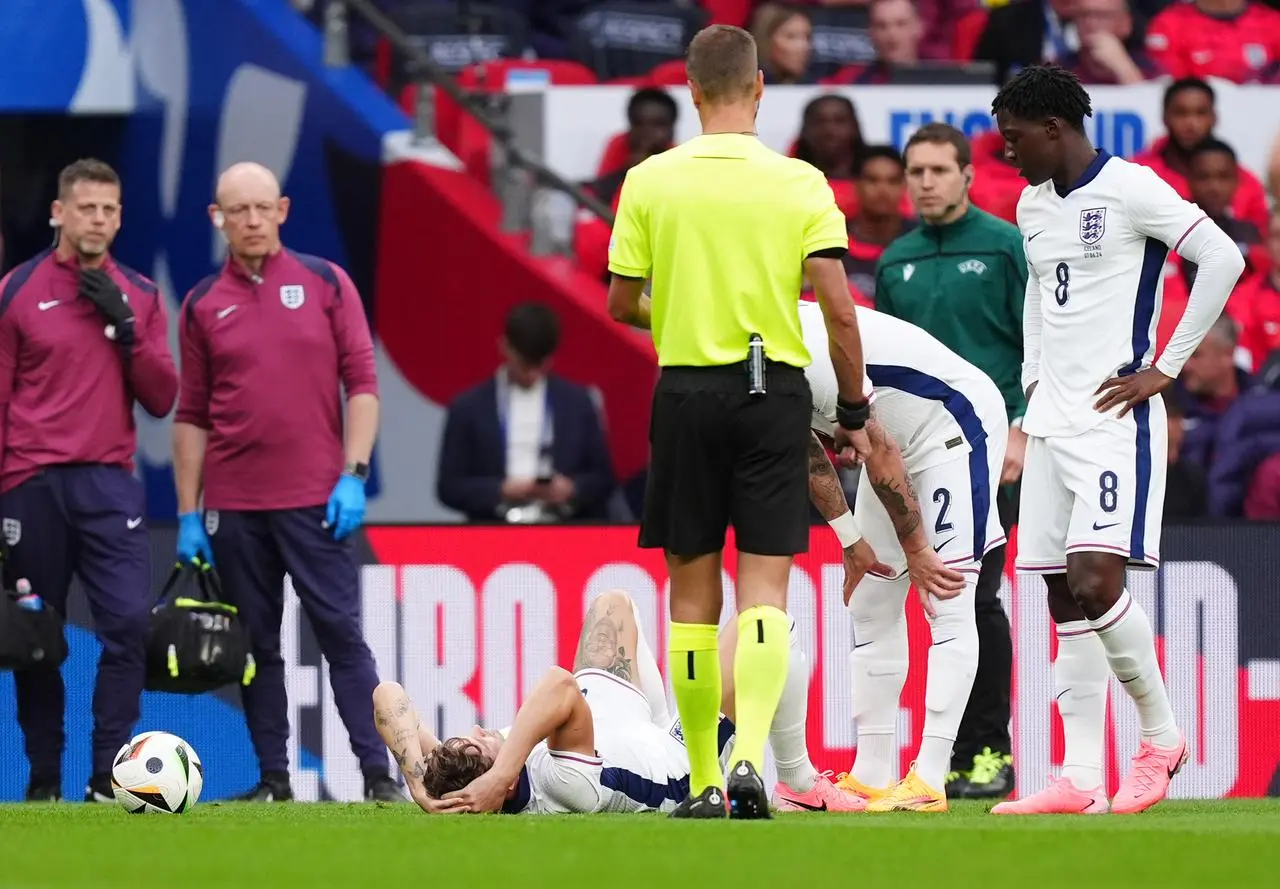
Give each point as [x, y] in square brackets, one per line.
[957, 504]
[1099, 491]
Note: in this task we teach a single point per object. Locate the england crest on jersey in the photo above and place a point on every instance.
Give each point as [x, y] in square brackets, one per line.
[292, 295]
[1092, 225]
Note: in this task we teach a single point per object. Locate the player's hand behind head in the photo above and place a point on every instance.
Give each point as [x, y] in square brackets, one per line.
[933, 579]
[485, 794]
[1129, 391]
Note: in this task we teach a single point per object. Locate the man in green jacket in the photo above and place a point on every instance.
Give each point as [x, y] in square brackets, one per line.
[962, 276]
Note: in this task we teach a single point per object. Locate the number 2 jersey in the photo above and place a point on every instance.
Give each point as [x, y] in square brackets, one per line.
[1095, 259]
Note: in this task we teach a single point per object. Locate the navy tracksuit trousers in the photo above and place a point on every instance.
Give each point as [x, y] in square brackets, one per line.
[87, 520]
[253, 551]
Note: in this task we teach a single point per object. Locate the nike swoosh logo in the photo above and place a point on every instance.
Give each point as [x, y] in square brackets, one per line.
[133, 523]
[945, 641]
[1098, 527]
[941, 546]
[44, 307]
[1036, 235]
[796, 802]
[1127, 681]
[860, 644]
[227, 311]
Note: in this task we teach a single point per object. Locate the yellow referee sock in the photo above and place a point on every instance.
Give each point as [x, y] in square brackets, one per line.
[759, 673]
[694, 663]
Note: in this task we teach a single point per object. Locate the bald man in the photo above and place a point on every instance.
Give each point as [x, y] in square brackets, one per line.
[267, 344]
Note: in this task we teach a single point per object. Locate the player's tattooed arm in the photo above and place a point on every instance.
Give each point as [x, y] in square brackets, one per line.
[893, 487]
[601, 644]
[402, 731]
[825, 489]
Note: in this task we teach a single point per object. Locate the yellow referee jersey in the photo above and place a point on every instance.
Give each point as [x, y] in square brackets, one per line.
[723, 224]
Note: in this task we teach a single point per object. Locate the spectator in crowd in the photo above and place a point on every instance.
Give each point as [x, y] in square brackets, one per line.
[1273, 171]
[1028, 32]
[1184, 492]
[263, 446]
[1189, 119]
[896, 32]
[1248, 435]
[997, 184]
[651, 128]
[941, 20]
[526, 445]
[962, 276]
[831, 140]
[1105, 27]
[879, 220]
[76, 354]
[1210, 383]
[1256, 304]
[1213, 179]
[1262, 503]
[1231, 39]
[784, 35]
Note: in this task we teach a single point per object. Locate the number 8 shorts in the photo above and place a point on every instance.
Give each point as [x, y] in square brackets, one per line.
[1099, 491]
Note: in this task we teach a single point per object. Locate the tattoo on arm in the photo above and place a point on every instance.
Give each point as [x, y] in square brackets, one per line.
[825, 489]
[600, 645]
[893, 485]
[388, 715]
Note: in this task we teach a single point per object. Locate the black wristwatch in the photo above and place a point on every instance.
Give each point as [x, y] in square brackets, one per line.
[852, 415]
[359, 470]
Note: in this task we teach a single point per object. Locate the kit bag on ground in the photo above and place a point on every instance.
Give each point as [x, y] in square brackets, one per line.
[196, 642]
[31, 631]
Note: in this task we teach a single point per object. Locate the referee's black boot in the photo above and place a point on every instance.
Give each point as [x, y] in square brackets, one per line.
[747, 797]
[708, 804]
[382, 789]
[45, 790]
[273, 788]
[98, 790]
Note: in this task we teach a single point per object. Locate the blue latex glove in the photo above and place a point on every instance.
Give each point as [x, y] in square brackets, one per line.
[193, 542]
[345, 511]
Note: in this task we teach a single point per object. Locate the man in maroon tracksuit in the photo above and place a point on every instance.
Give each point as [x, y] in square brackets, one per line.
[81, 338]
[267, 344]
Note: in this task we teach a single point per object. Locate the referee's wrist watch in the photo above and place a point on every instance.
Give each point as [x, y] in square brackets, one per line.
[357, 470]
[852, 415]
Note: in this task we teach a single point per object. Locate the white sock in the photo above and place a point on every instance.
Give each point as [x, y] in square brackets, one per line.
[787, 733]
[1131, 651]
[953, 662]
[878, 664]
[1080, 687]
[649, 677]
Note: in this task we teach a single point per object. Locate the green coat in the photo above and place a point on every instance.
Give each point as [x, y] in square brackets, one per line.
[965, 284]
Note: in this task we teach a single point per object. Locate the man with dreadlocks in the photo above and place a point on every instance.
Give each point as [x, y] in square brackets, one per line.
[1097, 230]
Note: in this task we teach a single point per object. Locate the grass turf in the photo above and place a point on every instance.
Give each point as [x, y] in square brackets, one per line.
[1195, 844]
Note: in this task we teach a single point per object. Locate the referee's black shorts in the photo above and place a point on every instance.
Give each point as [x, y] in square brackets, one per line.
[721, 456]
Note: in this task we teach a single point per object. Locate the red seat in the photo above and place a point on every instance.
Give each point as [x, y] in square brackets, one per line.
[460, 132]
[964, 42]
[614, 156]
[727, 12]
[670, 73]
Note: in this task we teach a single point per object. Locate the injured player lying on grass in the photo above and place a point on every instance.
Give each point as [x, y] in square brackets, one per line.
[598, 739]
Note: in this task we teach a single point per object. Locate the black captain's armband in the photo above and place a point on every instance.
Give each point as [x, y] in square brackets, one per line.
[829, 253]
[625, 277]
[852, 415]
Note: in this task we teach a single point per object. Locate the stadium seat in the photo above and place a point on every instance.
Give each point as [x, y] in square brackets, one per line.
[964, 41]
[728, 12]
[996, 184]
[841, 36]
[614, 156]
[454, 39]
[627, 38]
[459, 132]
[670, 73]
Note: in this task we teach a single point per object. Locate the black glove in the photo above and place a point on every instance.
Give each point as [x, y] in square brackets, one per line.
[98, 288]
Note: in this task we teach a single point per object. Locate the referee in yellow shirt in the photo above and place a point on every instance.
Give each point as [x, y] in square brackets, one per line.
[727, 229]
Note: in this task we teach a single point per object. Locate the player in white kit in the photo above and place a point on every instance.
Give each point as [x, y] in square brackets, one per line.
[599, 739]
[1097, 231]
[948, 420]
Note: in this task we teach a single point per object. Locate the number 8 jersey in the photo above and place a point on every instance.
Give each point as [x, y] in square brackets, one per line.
[1095, 258]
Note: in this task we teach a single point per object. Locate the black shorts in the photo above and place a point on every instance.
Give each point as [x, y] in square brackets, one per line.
[720, 455]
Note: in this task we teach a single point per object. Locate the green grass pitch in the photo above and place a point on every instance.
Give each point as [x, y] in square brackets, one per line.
[1195, 844]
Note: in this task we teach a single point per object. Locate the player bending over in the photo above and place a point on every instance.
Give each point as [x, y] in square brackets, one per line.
[1098, 230]
[599, 739]
[948, 421]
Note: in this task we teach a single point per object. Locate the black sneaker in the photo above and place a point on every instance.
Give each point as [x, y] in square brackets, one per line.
[747, 796]
[991, 776]
[956, 784]
[98, 790]
[382, 789]
[273, 788]
[44, 790]
[708, 804]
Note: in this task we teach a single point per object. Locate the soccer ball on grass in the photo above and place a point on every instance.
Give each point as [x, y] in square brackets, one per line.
[157, 772]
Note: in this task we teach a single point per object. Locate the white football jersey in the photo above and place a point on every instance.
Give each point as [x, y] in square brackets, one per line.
[933, 403]
[1095, 259]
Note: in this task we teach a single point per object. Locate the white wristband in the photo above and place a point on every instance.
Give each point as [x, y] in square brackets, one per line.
[846, 529]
